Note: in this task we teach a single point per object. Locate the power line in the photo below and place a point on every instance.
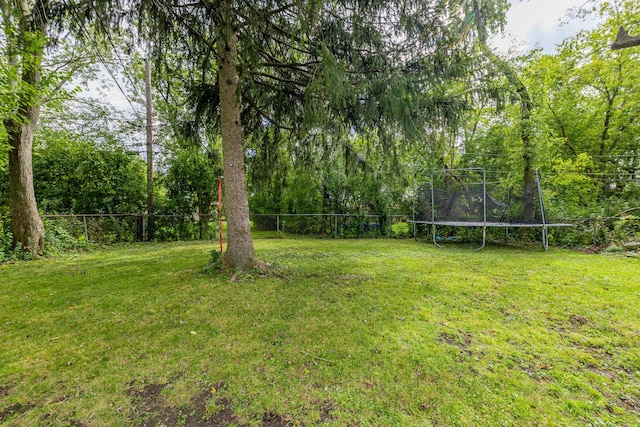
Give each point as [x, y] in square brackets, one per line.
[115, 49]
[98, 54]
[590, 174]
[571, 157]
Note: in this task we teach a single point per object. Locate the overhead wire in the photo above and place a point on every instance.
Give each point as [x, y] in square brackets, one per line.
[568, 157]
[115, 49]
[96, 50]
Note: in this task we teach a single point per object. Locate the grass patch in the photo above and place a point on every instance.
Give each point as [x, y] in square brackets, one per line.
[338, 332]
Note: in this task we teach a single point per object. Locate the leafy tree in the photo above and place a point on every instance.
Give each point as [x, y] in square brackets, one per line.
[583, 110]
[74, 176]
[339, 176]
[24, 30]
[591, 103]
[29, 81]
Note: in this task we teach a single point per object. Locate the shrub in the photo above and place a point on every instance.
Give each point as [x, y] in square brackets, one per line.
[626, 229]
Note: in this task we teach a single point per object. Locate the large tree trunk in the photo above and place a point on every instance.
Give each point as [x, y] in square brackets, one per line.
[26, 224]
[240, 252]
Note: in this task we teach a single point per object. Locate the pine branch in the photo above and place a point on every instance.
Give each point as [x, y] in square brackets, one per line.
[265, 114]
[277, 78]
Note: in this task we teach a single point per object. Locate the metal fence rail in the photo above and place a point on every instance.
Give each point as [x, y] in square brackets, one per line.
[336, 225]
[112, 228]
[130, 227]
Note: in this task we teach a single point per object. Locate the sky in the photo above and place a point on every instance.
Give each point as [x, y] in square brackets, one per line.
[539, 23]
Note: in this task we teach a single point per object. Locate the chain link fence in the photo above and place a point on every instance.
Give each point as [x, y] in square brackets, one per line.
[620, 229]
[115, 228]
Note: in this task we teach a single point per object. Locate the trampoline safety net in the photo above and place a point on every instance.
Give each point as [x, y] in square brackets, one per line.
[466, 196]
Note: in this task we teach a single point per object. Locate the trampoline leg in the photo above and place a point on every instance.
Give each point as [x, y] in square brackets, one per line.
[433, 231]
[545, 238]
[484, 238]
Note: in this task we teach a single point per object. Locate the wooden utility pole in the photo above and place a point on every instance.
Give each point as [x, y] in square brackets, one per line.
[624, 40]
[147, 73]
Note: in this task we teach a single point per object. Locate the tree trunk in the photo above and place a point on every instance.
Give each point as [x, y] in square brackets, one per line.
[25, 42]
[149, 135]
[240, 252]
[26, 224]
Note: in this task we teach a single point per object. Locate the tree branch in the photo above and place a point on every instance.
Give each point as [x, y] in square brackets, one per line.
[624, 40]
[265, 115]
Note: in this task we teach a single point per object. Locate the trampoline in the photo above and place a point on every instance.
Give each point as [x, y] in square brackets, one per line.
[464, 198]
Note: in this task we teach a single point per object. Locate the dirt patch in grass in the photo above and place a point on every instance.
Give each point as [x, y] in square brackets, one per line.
[325, 411]
[460, 340]
[603, 372]
[50, 420]
[630, 403]
[151, 410]
[624, 402]
[273, 420]
[577, 320]
[15, 409]
[4, 390]
[574, 323]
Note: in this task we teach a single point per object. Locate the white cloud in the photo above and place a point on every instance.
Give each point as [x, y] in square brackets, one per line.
[543, 23]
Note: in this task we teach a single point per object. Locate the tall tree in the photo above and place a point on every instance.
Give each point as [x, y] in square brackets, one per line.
[28, 82]
[584, 113]
[25, 31]
[503, 67]
[308, 67]
[592, 102]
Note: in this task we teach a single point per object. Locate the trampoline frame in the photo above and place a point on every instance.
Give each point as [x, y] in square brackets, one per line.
[543, 224]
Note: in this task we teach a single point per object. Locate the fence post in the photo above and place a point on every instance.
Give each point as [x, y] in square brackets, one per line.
[86, 230]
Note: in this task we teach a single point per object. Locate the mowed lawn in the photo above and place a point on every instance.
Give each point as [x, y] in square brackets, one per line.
[338, 332]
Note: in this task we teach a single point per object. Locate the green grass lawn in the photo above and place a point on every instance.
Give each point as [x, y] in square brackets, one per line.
[338, 332]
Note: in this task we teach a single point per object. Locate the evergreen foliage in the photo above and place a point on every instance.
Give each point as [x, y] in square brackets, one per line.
[309, 67]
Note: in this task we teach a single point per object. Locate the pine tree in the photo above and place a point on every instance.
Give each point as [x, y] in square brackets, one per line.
[307, 67]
